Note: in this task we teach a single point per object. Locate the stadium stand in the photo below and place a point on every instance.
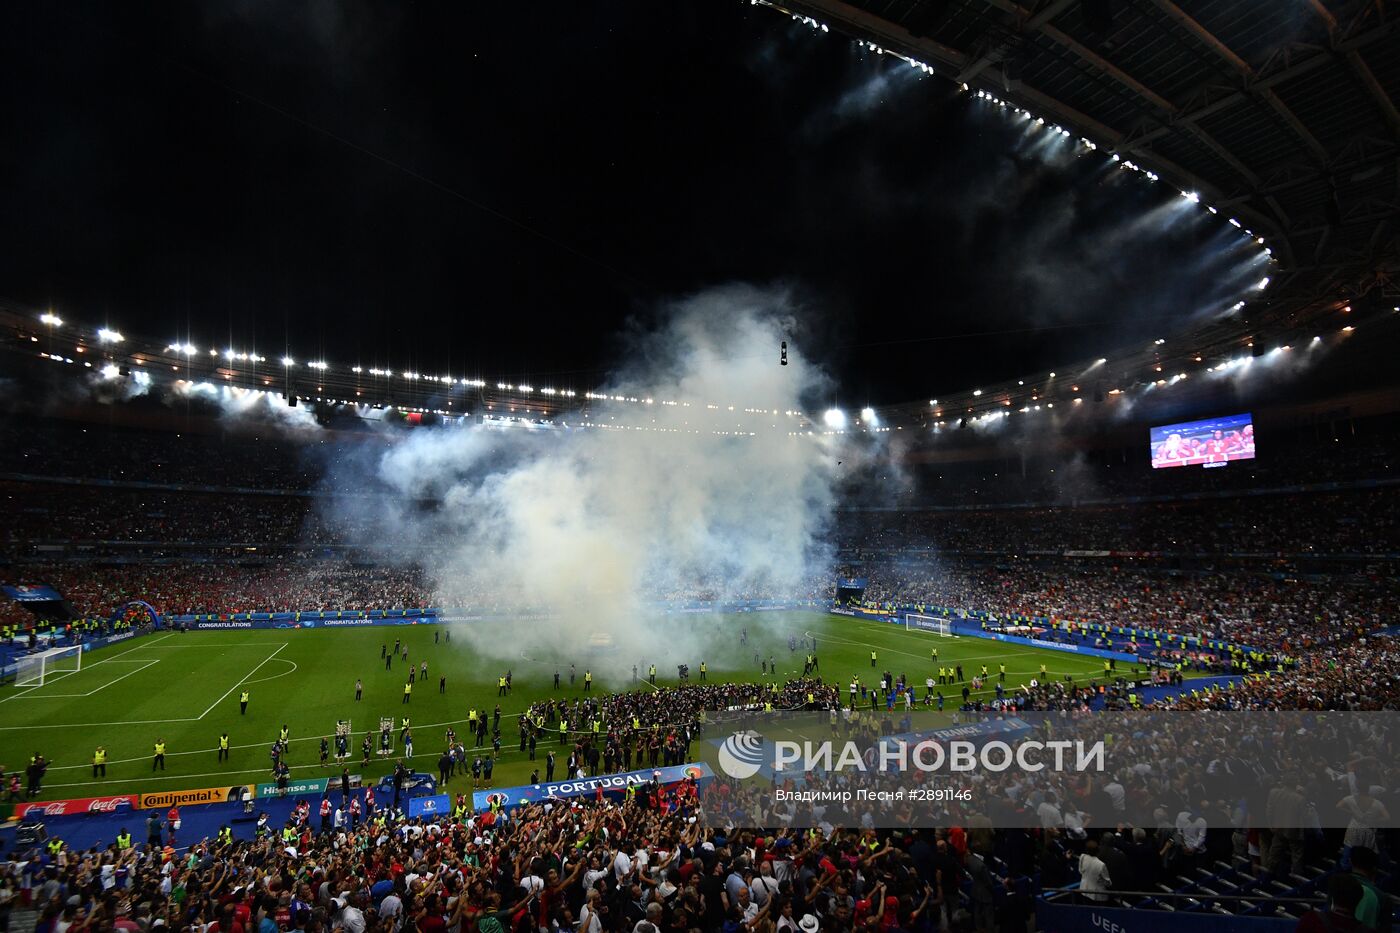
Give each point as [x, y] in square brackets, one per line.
[219, 526]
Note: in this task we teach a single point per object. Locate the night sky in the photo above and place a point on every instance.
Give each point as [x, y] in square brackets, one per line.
[496, 189]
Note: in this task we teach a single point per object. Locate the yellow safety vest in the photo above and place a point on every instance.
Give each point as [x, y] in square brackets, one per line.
[223, 742]
[99, 757]
[243, 697]
[160, 748]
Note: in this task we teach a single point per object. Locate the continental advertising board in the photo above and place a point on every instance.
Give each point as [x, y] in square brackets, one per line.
[184, 798]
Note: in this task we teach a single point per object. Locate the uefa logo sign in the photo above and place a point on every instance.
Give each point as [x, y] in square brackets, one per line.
[741, 755]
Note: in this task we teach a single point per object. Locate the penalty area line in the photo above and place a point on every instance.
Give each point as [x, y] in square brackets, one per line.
[243, 680]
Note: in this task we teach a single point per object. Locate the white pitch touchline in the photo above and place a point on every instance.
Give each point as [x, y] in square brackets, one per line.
[240, 682]
[83, 725]
[205, 751]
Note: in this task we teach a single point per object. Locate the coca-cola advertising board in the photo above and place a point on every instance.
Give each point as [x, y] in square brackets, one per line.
[51, 808]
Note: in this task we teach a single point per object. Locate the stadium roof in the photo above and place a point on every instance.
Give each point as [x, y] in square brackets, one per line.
[1282, 113]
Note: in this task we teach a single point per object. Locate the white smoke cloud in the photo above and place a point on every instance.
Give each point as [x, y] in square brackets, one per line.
[594, 522]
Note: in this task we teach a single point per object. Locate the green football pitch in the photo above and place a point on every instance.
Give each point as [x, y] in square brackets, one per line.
[183, 689]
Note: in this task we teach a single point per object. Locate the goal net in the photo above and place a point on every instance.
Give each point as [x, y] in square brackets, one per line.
[34, 670]
[917, 622]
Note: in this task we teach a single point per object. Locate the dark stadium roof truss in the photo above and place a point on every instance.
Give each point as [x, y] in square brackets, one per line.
[1286, 114]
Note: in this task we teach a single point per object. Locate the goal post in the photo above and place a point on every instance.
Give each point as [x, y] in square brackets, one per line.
[934, 625]
[37, 669]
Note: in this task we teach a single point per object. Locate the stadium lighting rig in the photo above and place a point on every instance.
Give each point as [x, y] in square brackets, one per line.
[244, 371]
[1191, 196]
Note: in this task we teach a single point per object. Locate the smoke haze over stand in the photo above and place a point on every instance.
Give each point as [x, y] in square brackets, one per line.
[648, 501]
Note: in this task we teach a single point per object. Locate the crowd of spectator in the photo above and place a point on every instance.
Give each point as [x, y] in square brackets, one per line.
[640, 867]
[748, 865]
[1253, 609]
[1363, 675]
[1360, 522]
[215, 588]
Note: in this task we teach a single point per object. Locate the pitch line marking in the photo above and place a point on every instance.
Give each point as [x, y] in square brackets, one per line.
[978, 657]
[261, 680]
[90, 666]
[59, 696]
[242, 681]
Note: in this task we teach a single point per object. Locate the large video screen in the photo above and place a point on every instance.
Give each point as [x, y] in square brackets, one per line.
[1214, 442]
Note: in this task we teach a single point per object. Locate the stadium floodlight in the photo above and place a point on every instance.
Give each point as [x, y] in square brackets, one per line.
[111, 370]
[976, 392]
[288, 361]
[318, 364]
[835, 418]
[107, 335]
[868, 416]
[1263, 283]
[51, 319]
